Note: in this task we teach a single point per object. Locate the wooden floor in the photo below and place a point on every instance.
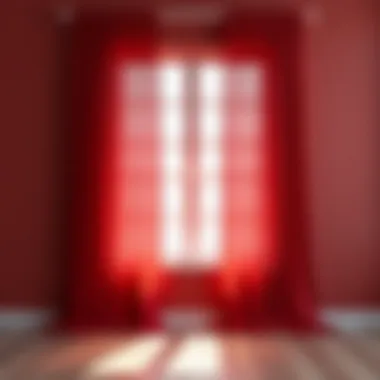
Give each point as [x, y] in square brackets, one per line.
[190, 357]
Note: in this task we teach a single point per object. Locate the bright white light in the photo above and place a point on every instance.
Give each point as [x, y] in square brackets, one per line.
[209, 242]
[173, 243]
[172, 162]
[171, 80]
[197, 357]
[210, 120]
[210, 198]
[172, 118]
[173, 198]
[210, 160]
[172, 129]
[211, 84]
[209, 227]
[131, 359]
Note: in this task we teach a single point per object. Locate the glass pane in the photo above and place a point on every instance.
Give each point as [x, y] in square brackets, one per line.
[172, 129]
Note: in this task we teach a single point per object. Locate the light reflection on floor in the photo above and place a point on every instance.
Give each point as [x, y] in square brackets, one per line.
[131, 359]
[191, 357]
[198, 357]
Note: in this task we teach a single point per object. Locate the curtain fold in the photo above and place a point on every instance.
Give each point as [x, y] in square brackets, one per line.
[102, 290]
[272, 288]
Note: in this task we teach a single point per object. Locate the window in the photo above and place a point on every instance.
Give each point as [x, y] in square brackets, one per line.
[204, 119]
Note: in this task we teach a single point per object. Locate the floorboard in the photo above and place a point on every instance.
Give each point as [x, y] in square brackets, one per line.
[189, 357]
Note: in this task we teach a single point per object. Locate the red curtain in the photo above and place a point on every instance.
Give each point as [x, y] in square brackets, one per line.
[109, 289]
[102, 289]
[272, 288]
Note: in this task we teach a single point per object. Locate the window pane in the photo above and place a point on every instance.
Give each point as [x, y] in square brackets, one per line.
[172, 128]
[210, 82]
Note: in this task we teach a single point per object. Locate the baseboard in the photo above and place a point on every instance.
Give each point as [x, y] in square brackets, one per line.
[351, 320]
[25, 319]
[345, 320]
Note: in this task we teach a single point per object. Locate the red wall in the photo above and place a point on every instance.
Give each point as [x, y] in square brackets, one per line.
[341, 151]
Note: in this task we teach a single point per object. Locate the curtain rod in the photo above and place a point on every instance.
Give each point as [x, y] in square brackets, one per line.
[311, 12]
